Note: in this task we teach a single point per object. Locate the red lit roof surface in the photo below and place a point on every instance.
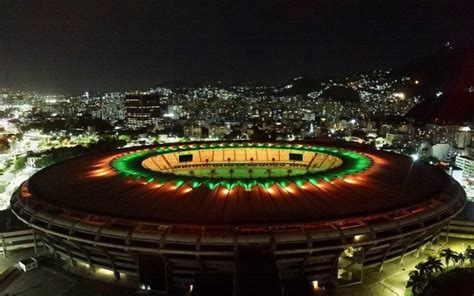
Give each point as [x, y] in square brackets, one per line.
[88, 184]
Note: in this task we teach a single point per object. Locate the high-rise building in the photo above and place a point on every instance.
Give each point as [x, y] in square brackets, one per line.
[142, 110]
[464, 137]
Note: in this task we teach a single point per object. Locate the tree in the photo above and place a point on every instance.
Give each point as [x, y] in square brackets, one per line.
[4, 144]
[434, 264]
[20, 163]
[469, 254]
[416, 282]
[424, 269]
[455, 258]
[461, 258]
[448, 255]
[422, 274]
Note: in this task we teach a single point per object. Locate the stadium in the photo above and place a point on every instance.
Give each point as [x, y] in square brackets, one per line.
[240, 212]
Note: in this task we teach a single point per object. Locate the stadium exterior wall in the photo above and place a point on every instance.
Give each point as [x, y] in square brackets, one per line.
[311, 251]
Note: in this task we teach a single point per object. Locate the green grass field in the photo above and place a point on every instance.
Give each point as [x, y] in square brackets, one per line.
[241, 172]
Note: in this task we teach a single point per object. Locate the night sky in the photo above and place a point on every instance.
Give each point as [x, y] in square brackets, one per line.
[76, 46]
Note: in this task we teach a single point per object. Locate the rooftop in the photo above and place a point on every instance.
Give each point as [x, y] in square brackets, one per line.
[358, 181]
[467, 157]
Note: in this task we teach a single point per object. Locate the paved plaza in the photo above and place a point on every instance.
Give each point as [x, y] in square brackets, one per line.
[54, 277]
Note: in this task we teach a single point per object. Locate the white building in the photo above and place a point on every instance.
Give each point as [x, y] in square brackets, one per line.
[466, 163]
[440, 151]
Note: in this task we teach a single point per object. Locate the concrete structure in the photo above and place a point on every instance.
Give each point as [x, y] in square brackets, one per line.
[17, 240]
[246, 211]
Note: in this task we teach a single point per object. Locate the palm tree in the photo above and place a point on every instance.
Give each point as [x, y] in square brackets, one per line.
[448, 255]
[416, 282]
[455, 258]
[434, 264]
[461, 258]
[424, 269]
[469, 254]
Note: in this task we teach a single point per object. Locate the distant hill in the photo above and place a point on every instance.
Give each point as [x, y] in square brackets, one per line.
[455, 107]
[341, 94]
[299, 86]
[449, 70]
[178, 84]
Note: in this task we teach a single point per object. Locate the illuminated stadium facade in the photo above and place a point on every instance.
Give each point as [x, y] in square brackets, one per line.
[175, 213]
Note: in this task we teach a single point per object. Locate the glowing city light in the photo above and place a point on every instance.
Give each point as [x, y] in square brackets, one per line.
[399, 95]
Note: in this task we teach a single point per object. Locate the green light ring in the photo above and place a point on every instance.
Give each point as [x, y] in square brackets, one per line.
[131, 165]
